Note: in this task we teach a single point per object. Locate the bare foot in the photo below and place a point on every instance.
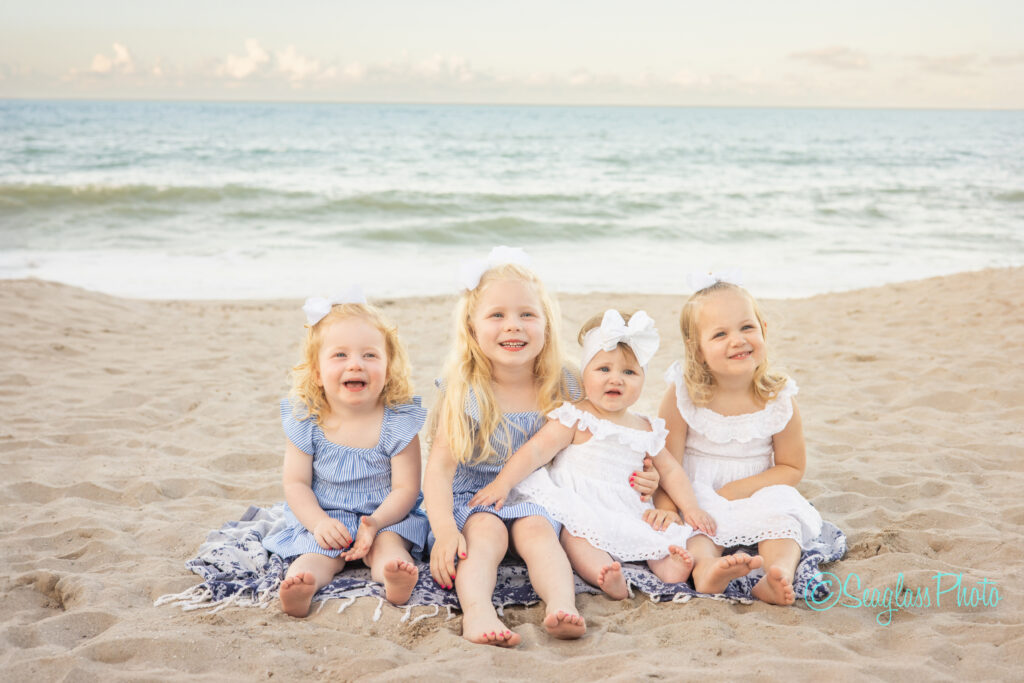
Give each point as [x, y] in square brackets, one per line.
[674, 568]
[488, 630]
[717, 576]
[565, 625]
[612, 582]
[399, 580]
[775, 588]
[296, 593]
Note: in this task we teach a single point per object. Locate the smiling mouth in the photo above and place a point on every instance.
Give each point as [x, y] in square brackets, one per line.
[354, 385]
[512, 345]
[740, 356]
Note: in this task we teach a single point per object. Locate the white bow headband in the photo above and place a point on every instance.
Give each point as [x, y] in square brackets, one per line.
[640, 335]
[470, 272]
[699, 281]
[316, 307]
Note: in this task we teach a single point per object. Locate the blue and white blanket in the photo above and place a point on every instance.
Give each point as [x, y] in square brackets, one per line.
[237, 570]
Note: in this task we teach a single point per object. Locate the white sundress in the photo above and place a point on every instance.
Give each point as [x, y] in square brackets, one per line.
[724, 448]
[586, 487]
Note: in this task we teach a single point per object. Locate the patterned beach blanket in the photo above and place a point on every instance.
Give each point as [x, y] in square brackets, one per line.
[237, 571]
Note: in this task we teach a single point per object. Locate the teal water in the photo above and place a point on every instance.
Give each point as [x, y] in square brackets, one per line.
[226, 200]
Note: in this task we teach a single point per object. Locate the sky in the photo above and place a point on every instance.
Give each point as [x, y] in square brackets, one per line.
[870, 53]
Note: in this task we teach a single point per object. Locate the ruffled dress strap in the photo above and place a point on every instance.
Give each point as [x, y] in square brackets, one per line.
[764, 423]
[637, 439]
[299, 432]
[403, 423]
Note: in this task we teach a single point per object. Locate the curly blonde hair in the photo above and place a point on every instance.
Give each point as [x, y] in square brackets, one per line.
[468, 370]
[699, 381]
[305, 390]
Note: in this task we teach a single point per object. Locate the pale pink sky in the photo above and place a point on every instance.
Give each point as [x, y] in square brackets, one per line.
[769, 53]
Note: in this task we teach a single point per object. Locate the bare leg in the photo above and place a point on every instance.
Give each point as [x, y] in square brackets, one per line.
[535, 541]
[307, 574]
[712, 572]
[674, 567]
[391, 564]
[486, 543]
[595, 566]
[781, 556]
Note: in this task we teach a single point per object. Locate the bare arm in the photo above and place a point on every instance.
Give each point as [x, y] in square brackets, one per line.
[790, 461]
[677, 485]
[536, 452]
[675, 444]
[298, 491]
[439, 503]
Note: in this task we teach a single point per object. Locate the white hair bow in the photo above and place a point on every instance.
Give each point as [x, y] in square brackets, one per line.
[317, 307]
[640, 334]
[699, 281]
[470, 272]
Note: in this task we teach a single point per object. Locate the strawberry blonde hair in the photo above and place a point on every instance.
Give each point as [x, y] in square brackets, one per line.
[699, 381]
[468, 371]
[397, 383]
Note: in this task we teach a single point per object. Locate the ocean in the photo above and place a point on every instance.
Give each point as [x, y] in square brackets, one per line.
[256, 200]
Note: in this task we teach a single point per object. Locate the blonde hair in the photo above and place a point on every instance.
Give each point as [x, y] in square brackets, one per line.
[397, 383]
[699, 380]
[595, 322]
[469, 370]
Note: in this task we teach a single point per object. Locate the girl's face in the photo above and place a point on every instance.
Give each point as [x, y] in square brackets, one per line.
[353, 363]
[509, 323]
[613, 380]
[731, 338]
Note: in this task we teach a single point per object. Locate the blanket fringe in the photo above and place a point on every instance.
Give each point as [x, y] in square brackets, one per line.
[380, 609]
[345, 605]
[437, 609]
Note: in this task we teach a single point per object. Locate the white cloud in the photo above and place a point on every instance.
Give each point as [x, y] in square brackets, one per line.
[242, 67]
[121, 62]
[949, 65]
[1007, 60]
[836, 57]
[298, 67]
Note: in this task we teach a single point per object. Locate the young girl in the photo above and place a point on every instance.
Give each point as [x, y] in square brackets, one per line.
[504, 373]
[598, 442]
[352, 461]
[737, 423]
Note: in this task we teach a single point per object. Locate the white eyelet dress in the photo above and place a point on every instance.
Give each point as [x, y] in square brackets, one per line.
[586, 487]
[723, 448]
[351, 482]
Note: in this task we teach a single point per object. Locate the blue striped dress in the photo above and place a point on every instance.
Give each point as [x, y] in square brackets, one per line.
[351, 482]
[471, 478]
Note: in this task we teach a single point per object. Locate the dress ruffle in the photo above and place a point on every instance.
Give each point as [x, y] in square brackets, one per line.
[650, 442]
[767, 422]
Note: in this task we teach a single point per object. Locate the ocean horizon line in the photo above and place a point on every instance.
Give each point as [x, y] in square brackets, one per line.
[539, 105]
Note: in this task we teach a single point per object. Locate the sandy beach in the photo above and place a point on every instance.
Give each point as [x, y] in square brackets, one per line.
[131, 428]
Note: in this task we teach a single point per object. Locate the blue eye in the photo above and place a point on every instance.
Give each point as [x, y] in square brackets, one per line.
[630, 372]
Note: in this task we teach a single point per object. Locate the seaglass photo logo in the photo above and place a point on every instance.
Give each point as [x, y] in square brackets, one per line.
[950, 591]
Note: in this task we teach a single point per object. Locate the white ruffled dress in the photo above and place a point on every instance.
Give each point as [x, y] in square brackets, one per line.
[586, 487]
[723, 448]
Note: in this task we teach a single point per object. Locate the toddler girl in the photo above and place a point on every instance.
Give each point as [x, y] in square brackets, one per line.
[736, 421]
[505, 372]
[595, 444]
[352, 461]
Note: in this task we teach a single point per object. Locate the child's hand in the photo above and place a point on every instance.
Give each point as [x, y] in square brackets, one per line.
[660, 519]
[331, 534]
[365, 536]
[492, 494]
[700, 520]
[646, 481]
[443, 558]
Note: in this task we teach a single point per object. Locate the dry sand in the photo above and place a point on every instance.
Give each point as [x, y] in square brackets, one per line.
[131, 428]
